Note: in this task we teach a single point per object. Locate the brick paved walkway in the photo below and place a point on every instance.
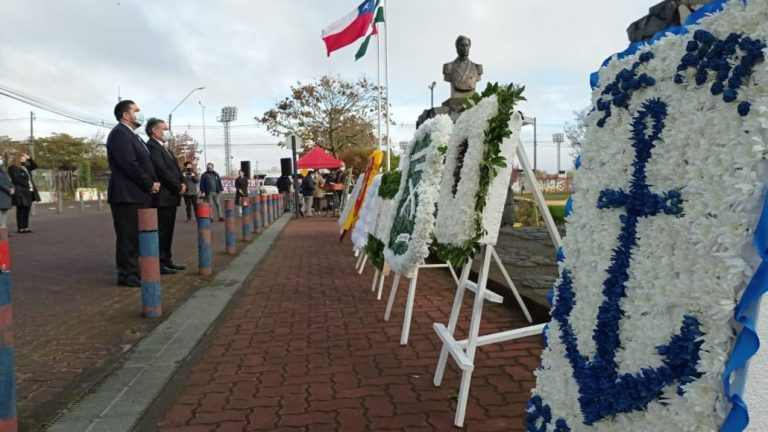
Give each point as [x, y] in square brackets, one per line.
[304, 348]
[73, 324]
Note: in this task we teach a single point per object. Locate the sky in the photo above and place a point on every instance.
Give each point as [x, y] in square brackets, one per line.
[79, 54]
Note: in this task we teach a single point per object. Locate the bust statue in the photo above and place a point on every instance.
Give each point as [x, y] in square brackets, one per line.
[462, 73]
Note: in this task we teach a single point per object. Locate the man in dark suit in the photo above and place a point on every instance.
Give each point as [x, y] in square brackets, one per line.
[132, 182]
[172, 187]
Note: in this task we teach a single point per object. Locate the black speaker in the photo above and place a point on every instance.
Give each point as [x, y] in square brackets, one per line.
[245, 166]
[285, 166]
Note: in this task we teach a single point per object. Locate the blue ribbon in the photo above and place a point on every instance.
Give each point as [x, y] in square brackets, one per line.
[747, 341]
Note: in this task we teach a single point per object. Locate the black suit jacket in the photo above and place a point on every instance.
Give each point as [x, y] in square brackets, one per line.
[168, 174]
[132, 174]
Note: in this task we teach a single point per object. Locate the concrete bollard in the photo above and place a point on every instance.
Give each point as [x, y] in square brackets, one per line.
[203, 213]
[257, 214]
[8, 420]
[82, 202]
[229, 226]
[33, 209]
[149, 264]
[254, 213]
[246, 219]
[264, 218]
[59, 203]
[99, 202]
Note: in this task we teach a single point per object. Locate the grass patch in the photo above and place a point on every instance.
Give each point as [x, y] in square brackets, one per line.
[549, 197]
[558, 212]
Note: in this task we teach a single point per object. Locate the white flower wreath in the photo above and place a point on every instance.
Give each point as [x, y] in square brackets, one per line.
[366, 221]
[458, 222]
[659, 246]
[416, 199]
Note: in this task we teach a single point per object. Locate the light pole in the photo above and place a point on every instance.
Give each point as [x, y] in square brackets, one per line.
[170, 115]
[432, 95]
[205, 149]
[558, 138]
[228, 114]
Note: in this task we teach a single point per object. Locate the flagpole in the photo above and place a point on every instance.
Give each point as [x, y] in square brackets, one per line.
[386, 79]
[378, 91]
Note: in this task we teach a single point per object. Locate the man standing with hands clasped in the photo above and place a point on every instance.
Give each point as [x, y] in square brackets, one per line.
[132, 182]
[172, 187]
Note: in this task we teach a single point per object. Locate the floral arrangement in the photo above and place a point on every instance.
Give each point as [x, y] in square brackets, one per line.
[374, 165]
[350, 202]
[653, 312]
[368, 215]
[379, 231]
[415, 203]
[476, 174]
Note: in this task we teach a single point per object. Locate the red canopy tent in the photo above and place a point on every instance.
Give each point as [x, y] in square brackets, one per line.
[317, 158]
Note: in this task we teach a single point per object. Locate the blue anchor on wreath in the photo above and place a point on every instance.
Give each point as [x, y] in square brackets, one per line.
[603, 392]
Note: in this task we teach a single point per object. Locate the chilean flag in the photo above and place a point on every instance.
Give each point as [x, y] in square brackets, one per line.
[356, 24]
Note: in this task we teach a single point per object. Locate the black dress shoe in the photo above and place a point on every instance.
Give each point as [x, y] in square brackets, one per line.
[175, 266]
[130, 282]
[167, 270]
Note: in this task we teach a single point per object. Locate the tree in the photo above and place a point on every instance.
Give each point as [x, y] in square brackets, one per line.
[61, 152]
[576, 131]
[185, 148]
[332, 113]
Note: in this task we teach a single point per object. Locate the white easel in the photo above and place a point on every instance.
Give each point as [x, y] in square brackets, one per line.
[411, 296]
[463, 351]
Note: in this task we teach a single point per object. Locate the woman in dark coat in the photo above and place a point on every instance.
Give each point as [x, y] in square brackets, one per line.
[6, 192]
[20, 172]
[241, 187]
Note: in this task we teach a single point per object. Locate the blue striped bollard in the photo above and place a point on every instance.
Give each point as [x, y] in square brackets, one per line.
[149, 264]
[254, 205]
[8, 422]
[229, 226]
[272, 207]
[257, 223]
[203, 213]
[246, 219]
[264, 218]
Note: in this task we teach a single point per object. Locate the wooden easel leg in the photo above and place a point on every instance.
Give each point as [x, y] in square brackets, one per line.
[381, 286]
[409, 308]
[454, 318]
[391, 298]
[474, 330]
[375, 278]
[362, 265]
[453, 273]
[511, 285]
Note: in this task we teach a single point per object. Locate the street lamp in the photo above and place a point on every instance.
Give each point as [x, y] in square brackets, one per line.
[170, 115]
[205, 150]
[432, 95]
[558, 138]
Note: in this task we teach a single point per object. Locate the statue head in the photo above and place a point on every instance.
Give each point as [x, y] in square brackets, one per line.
[462, 46]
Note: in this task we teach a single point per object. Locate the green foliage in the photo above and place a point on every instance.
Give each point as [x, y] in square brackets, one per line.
[558, 212]
[374, 249]
[494, 134]
[329, 112]
[390, 184]
[84, 174]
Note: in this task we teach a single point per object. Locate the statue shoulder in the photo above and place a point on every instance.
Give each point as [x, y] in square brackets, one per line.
[447, 67]
[479, 68]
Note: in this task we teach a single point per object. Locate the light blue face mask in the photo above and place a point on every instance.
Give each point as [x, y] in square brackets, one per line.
[166, 135]
[139, 118]
[1, 162]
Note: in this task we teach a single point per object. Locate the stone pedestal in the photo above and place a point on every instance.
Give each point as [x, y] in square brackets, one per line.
[453, 107]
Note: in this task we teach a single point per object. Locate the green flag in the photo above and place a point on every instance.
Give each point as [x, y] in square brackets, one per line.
[379, 18]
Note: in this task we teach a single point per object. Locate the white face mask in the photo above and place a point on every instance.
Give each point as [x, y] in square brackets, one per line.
[1, 162]
[166, 135]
